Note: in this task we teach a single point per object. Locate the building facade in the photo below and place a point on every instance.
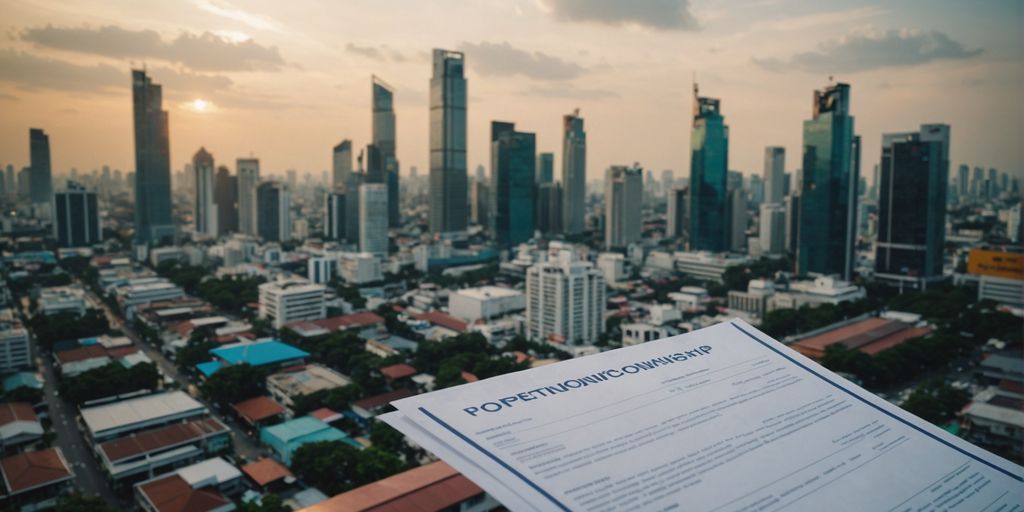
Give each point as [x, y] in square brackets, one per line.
[289, 300]
[373, 219]
[205, 209]
[448, 180]
[385, 142]
[564, 301]
[76, 221]
[40, 179]
[248, 181]
[623, 202]
[708, 201]
[574, 174]
[153, 222]
[273, 222]
[513, 169]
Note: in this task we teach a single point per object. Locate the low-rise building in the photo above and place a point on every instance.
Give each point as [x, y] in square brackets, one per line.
[690, 298]
[260, 411]
[286, 438]
[820, 290]
[61, 299]
[118, 419]
[266, 353]
[35, 480]
[132, 296]
[143, 455]
[289, 300]
[485, 302]
[754, 301]
[366, 409]
[613, 266]
[268, 474]
[994, 419]
[286, 386]
[196, 488]
[314, 328]
[359, 268]
[14, 348]
[19, 427]
[869, 335]
[706, 265]
[637, 333]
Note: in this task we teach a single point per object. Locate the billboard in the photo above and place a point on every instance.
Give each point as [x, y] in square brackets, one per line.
[1009, 265]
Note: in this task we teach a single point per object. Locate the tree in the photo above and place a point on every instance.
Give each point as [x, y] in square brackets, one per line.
[936, 402]
[231, 293]
[335, 467]
[110, 380]
[80, 503]
[68, 326]
[233, 384]
[268, 503]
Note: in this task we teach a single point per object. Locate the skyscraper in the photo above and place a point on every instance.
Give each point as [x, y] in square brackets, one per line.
[772, 232]
[225, 194]
[274, 221]
[248, 180]
[513, 170]
[545, 168]
[479, 203]
[76, 220]
[548, 219]
[574, 174]
[623, 202]
[709, 164]
[205, 212]
[153, 222]
[676, 212]
[373, 219]
[40, 180]
[384, 140]
[737, 220]
[342, 163]
[564, 301]
[448, 180]
[774, 174]
[912, 205]
[828, 193]
[334, 215]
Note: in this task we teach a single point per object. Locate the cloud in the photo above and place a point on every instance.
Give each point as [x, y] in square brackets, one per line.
[501, 59]
[204, 52]
[656, 14]
[224, 9]
[32, 72]
[383, 53]
[568, 92]
[867, 49]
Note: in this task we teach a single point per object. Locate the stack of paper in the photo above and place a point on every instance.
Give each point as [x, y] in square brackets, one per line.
[722, 419]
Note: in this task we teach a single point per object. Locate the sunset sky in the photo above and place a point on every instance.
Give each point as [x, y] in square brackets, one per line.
[286, 80]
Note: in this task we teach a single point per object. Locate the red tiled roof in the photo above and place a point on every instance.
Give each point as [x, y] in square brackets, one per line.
[341, 322]
[258, 409]
[174, 494]
[1012, 386]
[30, 470]
[266, 471]
[119, 352]
[469, 377]
[16, 411]
[378, 401]
[435, 486]
[81, 354]
[397, 371]
[326, 415]
[444, 320]
[159, 438]
[871, 335]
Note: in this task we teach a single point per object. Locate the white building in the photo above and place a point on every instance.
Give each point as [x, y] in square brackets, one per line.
[132, 296]
[320, 269]
[637, 333]
[485, 302]
[121, 418]
[14, 350]
[661, 314]
[373, 219]
[707, 265]
[205, 212]
[821, 290]
[291, 299]
[623, 202]
[754, 301]
[565, 301]
[61, 299]
[248, 179]
[612, 265]
[359, 267]
[690, 298]
[1002, 290]
[772, 235]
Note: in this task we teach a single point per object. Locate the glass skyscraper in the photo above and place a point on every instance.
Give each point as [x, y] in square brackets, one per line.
[448, 180]
[912, 205]
[513, 172]
[40, 179]
[709, 164]
[76, 220]
[545, 168]
[623, 202]
[574, 174]
[828, 192]
[384, 141]
[153, 222]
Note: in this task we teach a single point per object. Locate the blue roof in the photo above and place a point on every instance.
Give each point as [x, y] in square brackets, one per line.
[297, 428]
[259, 353]
[22, 380]
[209, 368]
[88, 341]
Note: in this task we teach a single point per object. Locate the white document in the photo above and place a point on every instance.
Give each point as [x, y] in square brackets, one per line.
[722, 419]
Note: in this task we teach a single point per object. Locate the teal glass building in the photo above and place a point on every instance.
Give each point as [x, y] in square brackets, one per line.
[709, 164]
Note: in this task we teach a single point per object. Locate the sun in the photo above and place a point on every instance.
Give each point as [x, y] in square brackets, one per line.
[200, 105]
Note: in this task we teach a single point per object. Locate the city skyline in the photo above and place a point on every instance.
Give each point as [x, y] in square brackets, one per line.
[763, 62]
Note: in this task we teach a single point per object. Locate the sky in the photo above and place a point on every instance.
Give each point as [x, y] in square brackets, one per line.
[285, 81]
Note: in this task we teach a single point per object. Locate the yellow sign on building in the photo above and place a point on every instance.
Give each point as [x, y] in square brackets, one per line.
[996, 263]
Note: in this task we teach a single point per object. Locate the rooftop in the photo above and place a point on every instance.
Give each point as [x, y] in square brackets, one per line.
[488, 292]
[138, 410]
[309, 379]
[215, 471]
[397, 371]
[172, 493]
[158, 438]
[26, 471]
[16, 411]
[435, 486]
[258, 409]
[294, 429]
[259, 353]
[443, 319]
[378, 401]
[338, 323]
[266, 471]
[871, 336]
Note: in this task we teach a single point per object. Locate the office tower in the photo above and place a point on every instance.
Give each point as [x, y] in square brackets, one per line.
[992, 184]
[774, 174]
[153, 222]
[10, 183]
[1004, 182]
[977, 183]
[355, 179]
[40, 181]
[384, 140]
[962, 182]
[676, 212]
[225, 194]
[667, 180]
[623, 199]
[828, 200]
[574, 174]
[479, 203]
[564, 301]
[787, 184]
[545, 168]
[291, 179]
[76, 220]
[548, 217]
[342, 163]
[513, 174]
[448, 180]
[320, 269]
[481, 173]
[205, 212]
[373, 219]
[248, 180]
[273, 206]
[912, 205]
[709, 164]
[1014, 225]
[24, 183]
[334, 215]
[755, 189]
[737, 220]
[792, 205]
[375, 172]
[772, 233]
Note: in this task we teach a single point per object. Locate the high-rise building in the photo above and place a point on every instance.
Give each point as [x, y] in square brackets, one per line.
[912, 206]
[574, 174]
[355, 179]
[334, 215]
[384, 140]
[792, 204]
[675, 227]
[248, 180]
[76, 221]
[709, 164]
[225, 194]
[545, 168]
[992, 184]
[10, 183]
[513, 174]
[479, 203]
[564, 301]
[772, 233]
[40, 182]
[774, 174]
[320, 269]
[623, 202]
[273, 204]
[205, 212]
[755, 190]
[977, 188]
[448, 180]
[828, 193]
[548, 218]
[153, 222]
[373, 219]
[341, 160]
[962, 182]
[737, 220]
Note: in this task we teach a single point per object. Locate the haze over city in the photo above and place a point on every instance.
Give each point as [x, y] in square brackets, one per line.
[287, 81]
